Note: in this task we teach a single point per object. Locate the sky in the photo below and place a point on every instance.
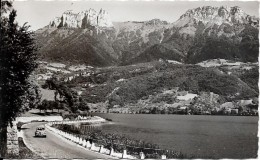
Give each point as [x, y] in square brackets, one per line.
[39, 13]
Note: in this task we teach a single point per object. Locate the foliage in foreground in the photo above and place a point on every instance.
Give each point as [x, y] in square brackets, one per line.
[17, 61]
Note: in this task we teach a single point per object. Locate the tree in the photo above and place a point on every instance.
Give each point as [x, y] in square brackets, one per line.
[60, 106]
[55, 105]
[17, 61]
[249, 46]
[50, 106]
[155, 110]
[5, 7]
[69, 96]
[83, 106]
[31, 99]
[44, 105]
[240, 109]
[40, 107]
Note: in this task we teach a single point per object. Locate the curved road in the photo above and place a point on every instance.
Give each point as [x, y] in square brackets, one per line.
[56, 147]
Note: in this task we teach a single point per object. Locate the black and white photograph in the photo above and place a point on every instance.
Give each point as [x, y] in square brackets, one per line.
[111, 79]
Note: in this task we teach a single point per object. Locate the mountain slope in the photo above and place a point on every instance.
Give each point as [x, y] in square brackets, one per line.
[77, 46]
[200, 34]
[220, 32]
[130, 84]
[157, 52]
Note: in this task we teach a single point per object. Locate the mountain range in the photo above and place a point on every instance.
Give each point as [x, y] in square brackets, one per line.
[200, 34]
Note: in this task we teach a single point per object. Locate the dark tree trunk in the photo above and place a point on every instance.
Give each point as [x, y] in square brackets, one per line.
[3, 138]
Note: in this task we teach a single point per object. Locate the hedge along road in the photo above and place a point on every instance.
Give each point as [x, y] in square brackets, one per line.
[53, 146]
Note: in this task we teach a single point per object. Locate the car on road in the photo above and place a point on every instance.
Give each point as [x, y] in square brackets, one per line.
[40, 132]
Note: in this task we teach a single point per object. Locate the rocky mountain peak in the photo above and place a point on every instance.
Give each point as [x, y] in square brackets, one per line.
[191, 39]
[103, 19]
[82, 19]
[209, 16]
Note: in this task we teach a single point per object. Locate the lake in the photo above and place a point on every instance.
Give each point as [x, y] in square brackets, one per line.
[198, 135]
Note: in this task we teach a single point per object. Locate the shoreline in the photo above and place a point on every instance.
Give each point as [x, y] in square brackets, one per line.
[180, 114]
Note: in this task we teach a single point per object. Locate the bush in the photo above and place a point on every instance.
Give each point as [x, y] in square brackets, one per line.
[25, 152]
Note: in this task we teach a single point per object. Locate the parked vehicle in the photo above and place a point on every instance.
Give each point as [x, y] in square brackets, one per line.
[40, 132]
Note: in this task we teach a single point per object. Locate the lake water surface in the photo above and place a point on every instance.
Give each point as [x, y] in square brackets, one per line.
[205, 136]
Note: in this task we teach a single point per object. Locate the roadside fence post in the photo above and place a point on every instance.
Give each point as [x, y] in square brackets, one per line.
[88, 144]
[70, 137]
[80, 141]
[101, 148]
[77, 140]
[124, 155]
[74, 139]
[84, 143]
[67, 135]
[142, 155]
[111, 151]
[163, 157]
[92, 146]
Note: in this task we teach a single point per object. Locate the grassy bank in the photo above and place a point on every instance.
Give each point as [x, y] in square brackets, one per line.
[24, 151]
